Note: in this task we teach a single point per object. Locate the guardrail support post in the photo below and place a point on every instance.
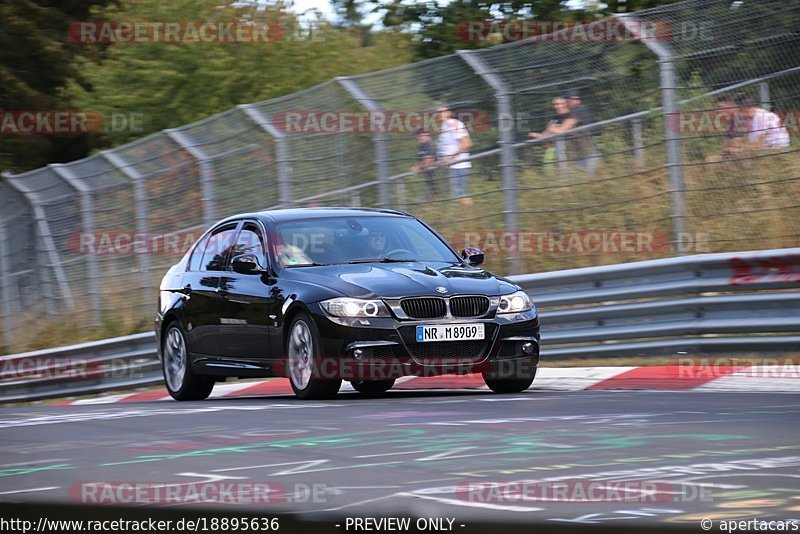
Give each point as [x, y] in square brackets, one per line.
[140, 198]
[380, 140]
[206, 173]
[48, 243]
[281, 153]
[669, 94]
[5, 283]
[505, 125]
[87, 221]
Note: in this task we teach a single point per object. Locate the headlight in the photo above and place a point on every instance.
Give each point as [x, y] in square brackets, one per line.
[515, 303]
[348, 307]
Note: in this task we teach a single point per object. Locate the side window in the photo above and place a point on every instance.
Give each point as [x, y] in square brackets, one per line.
[197, 255]
[218, 248]
[250, 241]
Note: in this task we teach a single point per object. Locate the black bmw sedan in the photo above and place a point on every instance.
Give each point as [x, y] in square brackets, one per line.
[322, 295]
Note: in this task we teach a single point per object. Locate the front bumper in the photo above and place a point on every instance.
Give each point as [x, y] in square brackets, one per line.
[386, 348]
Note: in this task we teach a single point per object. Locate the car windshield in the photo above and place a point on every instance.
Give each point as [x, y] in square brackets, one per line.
[335, 240]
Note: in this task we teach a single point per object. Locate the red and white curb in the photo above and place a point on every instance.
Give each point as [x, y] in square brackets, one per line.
[757, 378]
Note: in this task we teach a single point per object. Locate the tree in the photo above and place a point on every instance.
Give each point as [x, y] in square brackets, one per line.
[174, 84]
[439, 26]
[36, 62]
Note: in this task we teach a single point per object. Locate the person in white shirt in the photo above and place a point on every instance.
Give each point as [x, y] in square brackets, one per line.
[453, 150]
[765, 130]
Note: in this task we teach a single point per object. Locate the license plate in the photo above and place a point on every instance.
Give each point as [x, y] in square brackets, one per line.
[450, 332]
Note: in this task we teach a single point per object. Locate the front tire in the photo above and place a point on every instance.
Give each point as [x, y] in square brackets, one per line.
[302, 359]
[182, 383]
[372, 387]
[521, 380]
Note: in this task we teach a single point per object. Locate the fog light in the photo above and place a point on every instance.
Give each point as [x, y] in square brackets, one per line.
[527, 347]
[358, 354]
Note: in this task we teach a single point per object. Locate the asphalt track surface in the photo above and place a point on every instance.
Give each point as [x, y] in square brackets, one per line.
[684, 456]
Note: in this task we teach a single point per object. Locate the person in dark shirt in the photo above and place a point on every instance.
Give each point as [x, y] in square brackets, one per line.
[550, 156]
[581, 146]
[426, 157]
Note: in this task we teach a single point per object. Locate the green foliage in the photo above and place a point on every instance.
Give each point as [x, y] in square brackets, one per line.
[174, 84]
[439, 27]
[36, 60]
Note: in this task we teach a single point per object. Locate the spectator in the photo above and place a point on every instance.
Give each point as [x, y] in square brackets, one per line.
[764, 128]
[734, 143]
[453, 149]
[426, 156]
[562, 110]
[581, 145]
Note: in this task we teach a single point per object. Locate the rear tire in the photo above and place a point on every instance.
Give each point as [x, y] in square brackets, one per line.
[182, 383]
[517, 384]
[302, 361]
[372, 387]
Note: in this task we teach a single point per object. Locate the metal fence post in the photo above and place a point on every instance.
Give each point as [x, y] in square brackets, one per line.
[48, 243]
[380, 140]
[671, 106]
[638, 144]
[281, 153]
[561, 156]
[140, 198]
[763, 95]
[505, 124]
[87, 221]
[5, 283]
[206, 172]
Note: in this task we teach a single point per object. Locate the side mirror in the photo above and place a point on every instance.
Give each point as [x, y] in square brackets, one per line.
[247, 264]
[472, 255]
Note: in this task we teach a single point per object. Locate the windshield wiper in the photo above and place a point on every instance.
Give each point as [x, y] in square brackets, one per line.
[383, 260]
[312, 264]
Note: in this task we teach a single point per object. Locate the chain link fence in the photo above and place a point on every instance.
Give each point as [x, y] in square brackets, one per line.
[653, 172]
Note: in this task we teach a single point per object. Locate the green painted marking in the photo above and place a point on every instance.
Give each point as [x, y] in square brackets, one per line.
[28, 470]
[526, 445]
[341, 440]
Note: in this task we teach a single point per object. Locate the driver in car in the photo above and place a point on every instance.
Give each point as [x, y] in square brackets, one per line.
[376, 243]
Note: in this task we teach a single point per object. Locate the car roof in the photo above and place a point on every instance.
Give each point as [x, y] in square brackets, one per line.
[294, 214]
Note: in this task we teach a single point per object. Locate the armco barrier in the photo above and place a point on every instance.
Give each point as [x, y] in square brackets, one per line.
[709, 303]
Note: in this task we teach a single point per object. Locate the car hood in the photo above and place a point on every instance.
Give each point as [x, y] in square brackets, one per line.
[392, 280]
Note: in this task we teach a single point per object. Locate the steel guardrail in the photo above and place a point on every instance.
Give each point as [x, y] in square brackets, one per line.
[707, 303]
